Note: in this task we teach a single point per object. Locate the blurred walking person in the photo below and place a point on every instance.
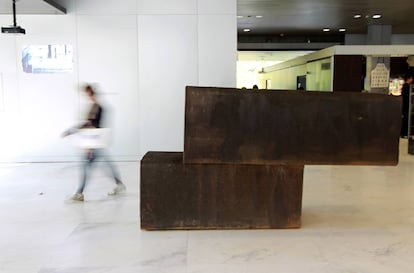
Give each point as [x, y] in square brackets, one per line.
[93, 121]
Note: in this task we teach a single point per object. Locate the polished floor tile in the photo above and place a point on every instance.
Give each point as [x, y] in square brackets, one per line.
[354, 219]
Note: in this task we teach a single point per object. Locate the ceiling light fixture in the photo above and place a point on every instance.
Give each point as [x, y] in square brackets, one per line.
[376, 16]
[246, 30]
[342, 29]
[356, 16]
[239, 16]
[259, 16]
[326, 30]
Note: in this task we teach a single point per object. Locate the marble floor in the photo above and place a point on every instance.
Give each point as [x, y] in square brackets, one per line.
[355, 219]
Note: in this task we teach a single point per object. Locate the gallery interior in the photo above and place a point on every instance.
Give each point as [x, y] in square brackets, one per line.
[310, 172]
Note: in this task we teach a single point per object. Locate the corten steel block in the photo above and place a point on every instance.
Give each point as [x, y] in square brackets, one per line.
[226, 125]
[196, 196]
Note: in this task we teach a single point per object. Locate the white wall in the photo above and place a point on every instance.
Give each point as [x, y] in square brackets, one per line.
[141, 53]
[285, 79]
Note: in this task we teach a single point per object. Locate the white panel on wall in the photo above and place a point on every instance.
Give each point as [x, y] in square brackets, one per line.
[217, 50]
[10, 121]
[47, 102]
[1, 93]
[48, 29]
[108, 57]
[48, 107]
[9, 99]
[167, 63]
[167, 7]
[106, 7]
[8, 48]
[217, 7]
[30, 126]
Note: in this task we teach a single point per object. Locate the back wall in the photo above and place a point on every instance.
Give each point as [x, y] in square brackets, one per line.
[141, 55]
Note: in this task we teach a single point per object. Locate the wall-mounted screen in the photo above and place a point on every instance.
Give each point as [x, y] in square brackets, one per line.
[47, 59]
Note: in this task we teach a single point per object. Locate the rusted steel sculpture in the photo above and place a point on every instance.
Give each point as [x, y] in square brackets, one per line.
[245, 151]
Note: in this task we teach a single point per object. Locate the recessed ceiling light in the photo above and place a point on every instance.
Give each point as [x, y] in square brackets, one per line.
[342, 29]
[376, 16]
[356, 16]
[246, 30]
[259, 16]
[239, 16]
[326, 29]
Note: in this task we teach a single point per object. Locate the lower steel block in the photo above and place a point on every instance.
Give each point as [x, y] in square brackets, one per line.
[218, 196]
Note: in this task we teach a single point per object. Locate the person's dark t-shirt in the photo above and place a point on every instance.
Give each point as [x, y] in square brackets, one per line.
[95, 115]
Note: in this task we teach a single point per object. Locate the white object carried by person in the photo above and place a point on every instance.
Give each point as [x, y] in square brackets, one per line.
[92, 138]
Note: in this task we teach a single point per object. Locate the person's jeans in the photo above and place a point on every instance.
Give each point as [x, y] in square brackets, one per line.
[90, 158]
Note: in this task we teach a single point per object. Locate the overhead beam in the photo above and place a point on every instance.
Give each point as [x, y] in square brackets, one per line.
[33, 7]
[56, 6]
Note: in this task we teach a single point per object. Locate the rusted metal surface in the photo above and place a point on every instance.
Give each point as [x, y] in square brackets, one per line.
[196, 196]
[225, 125]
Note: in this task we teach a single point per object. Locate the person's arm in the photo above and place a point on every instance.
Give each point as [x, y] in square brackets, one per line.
[76, 128]
[87, 124]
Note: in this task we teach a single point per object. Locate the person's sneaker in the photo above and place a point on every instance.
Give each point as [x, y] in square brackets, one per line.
[77, 197]
[119, 188]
